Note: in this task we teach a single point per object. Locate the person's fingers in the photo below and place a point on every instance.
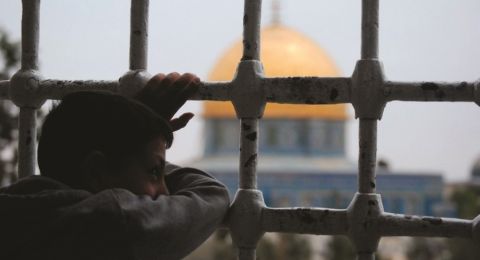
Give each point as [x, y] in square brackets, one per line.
[185, 85]
[155, 81]
[165, 94]
[181, 84]
[179, 93]
[149, 88]
[159, 85]
[190, 89]
[160, 96]
[181, 121]
[189, 76]
[186, 92]
[164, 86]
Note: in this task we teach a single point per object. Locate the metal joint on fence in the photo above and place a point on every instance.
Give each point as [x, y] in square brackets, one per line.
[25, 90]
[247, 96]
[477, 92]
[368, 92]
[245, 218]
[132, 81]
[362, 215]
[476, 229]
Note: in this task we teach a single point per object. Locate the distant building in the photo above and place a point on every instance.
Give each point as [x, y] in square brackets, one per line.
[475, 176]
[302, 158]
[472, 183]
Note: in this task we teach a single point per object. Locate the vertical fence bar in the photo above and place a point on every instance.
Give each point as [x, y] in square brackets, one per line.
[370, 29]
[249, 122]
[30, 34]
[27, 143]
[248, 153]
[249, 126]
[367, 155]
[27, 118]
[251, 29]
[368, 121]
[138, 34]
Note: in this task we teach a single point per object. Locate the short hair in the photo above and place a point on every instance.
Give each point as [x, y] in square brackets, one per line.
[83, 122]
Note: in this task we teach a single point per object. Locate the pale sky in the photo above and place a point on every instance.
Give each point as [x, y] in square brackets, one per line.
[434, 40]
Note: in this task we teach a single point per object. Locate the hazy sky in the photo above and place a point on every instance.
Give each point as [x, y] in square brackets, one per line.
[435, 40]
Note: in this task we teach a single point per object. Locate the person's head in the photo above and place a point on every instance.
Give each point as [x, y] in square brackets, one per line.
[100, 140]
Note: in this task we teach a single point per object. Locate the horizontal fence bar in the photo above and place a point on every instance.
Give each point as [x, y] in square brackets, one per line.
[317, 221]
[57, 89]
[216, 91]
[324, 90]
[307, 90]
[323, 221]
[429, 91]
[404, 225]
[293, 90]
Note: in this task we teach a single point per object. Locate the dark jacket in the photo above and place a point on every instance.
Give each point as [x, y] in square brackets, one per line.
[41, 218]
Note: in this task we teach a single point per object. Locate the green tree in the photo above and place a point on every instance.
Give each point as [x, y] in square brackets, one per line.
[266, 249]
[223, 248]
[9, 62]
[340, 248]
[286, 247]
[10, 55]
[422, 248]
[467, 203]
[293, 247]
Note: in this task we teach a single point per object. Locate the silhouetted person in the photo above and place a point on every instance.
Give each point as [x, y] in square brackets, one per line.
[105, 190]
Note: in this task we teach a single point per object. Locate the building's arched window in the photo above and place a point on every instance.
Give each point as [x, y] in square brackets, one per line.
[282, 136]
[326, 137]
[221, 136]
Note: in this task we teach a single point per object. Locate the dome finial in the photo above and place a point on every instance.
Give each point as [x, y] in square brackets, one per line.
[276, 12]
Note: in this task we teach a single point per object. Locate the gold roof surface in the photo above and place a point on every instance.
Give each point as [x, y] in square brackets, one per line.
[284, 52]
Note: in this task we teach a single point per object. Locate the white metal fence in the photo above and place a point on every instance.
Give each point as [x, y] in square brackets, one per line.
[364, 221]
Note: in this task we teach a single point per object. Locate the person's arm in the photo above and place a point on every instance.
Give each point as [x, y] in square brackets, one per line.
[170, 227]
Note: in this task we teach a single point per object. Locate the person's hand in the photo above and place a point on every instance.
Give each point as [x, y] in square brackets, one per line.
[166, 94]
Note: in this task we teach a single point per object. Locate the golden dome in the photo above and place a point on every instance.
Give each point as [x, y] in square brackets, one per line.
[284, 52]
